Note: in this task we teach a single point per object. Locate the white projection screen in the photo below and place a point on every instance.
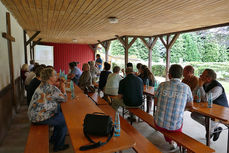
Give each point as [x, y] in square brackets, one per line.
[44, 54]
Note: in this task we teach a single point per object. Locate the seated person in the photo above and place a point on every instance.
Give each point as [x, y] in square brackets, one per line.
[138, 66]
[127, 65]
[189, 78]
[94, 71]
[113, 80]
[34, 84]
[85, 79]
[32, 62]
[75, 73]
[103, 76]
[208, 84]
[30, 76]
[24, 72]
[130, 91]
[172, 97]
[144, 75]
[44, 107]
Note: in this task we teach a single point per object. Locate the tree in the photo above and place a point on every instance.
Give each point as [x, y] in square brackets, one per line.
[191, 52]
[210, 50]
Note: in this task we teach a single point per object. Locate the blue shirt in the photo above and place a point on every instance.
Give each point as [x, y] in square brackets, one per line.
[99, 60]
[172, 97]
[77, 73]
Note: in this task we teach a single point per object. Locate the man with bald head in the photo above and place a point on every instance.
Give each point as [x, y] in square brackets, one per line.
[189, 78]
[130, 91]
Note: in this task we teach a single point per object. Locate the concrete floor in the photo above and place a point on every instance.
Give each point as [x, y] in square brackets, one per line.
[15, 140]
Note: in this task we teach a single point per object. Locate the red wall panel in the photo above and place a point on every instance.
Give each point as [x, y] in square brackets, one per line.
[66, 53]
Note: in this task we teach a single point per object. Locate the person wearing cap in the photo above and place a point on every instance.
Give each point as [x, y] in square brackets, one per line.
[208, 85]
[75, 73]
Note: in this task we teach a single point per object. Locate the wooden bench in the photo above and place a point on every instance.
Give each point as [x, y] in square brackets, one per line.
[97, 99]
[143, 145]
[180, 138]
[38, 139]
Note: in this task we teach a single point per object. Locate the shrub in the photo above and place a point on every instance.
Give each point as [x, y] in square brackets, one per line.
[158, 70]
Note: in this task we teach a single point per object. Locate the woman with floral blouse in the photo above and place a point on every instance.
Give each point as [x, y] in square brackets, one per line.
[44, 107]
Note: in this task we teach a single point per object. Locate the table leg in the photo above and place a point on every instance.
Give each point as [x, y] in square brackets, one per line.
[208, 129]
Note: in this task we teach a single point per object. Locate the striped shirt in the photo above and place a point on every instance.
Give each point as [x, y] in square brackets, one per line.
[172, 97]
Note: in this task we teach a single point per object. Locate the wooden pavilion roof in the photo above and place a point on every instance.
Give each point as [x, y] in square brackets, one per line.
[86, 20]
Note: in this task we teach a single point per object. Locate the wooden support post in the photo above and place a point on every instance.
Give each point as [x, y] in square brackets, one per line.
[28, 42]
[25, 47]
[10, 52]
[149, 44]
[126, 45]
[106, 45]
[31, 49]
[94, 48]
[168, 45]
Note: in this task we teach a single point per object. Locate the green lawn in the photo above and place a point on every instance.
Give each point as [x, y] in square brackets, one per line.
[226, 86]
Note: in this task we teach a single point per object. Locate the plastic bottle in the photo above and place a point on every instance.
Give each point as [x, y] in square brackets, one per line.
[198, 96]
[210, 100]
[117, 125]
[147, 83]
[60, 74]
[155, 86]
[72, 89]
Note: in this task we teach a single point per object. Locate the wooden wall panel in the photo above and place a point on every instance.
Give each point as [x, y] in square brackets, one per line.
[65, 53]
[7, 108]
[6, 111]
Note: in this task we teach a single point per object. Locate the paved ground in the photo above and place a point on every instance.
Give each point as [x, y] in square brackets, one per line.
[17, 135]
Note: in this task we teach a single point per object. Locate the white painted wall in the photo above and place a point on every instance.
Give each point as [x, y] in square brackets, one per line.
[18, 48]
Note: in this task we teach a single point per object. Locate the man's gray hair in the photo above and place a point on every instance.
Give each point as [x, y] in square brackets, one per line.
[211, 74]
[129, 70]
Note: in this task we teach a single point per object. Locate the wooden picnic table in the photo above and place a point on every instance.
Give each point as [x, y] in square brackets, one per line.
[217, 112]
[74, 111]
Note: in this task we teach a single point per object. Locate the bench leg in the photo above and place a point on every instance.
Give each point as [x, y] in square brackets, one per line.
[208, 129]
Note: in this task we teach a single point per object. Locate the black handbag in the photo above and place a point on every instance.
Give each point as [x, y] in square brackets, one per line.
[97, 124]
[89, 89]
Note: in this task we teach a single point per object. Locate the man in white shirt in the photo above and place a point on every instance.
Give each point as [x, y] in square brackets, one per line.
[113, 80]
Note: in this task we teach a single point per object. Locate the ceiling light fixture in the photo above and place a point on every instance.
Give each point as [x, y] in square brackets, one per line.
[113, 19]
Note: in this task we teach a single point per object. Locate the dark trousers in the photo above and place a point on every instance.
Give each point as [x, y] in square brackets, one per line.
[60, 129]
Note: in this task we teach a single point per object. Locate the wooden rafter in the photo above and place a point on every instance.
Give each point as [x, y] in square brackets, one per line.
[31, 38]
[168, 45]
[149, 44]
[106, 45]
[126, 44]
[36, 42]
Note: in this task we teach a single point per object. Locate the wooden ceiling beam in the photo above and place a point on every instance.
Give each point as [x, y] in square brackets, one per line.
[93, 47]
[31, 38]
[36, 42]
[121, 40]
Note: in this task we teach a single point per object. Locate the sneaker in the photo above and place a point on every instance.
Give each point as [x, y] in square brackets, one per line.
[217, 132]
[64, 147]
[173, 147]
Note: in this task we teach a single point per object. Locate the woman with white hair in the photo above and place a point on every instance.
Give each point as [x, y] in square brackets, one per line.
[44, 107]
